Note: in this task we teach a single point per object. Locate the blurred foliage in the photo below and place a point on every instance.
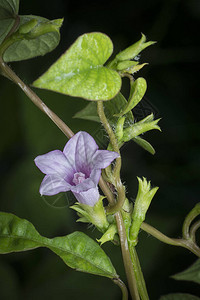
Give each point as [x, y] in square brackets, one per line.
[172, 77]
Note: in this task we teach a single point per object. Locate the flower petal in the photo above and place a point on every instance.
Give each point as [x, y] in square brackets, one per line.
[54, 162]
[52, 185]
[86, 185]
[103, 158]
[79, 151]
[89, 197]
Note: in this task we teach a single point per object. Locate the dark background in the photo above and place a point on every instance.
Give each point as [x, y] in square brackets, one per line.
[172, 77]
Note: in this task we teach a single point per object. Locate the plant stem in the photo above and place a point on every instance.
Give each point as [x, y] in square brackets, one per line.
[138, 274]
[128, 265]
[193, 230]
[188, 220]
[188, 244]
[117, 207]
[123, 288]
[116, 172]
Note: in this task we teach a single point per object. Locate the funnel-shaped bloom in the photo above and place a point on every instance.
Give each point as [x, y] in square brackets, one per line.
[76, 169]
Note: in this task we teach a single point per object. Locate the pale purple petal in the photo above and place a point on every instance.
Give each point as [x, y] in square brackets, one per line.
[81, 146]
[89, 197]
[103, 158]
[95, 175]
[54, 162]
[52, 185]
[83, 186]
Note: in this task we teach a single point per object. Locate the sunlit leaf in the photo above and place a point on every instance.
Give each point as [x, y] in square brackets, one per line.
[79, 72]
[77, 250]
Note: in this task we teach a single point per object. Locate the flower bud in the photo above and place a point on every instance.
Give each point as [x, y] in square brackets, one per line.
[92, 214]
[144, 197]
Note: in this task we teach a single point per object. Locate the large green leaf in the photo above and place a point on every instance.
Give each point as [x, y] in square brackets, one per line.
[31, 42]
[179, 297]
[190, 274]
[79, 72]
[77, 250]
[8, 14]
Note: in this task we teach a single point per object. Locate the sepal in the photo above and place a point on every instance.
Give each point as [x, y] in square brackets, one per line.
[92, 214]
[140, 127]
[144, 197]
[109, 235]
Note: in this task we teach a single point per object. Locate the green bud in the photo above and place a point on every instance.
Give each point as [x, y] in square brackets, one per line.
[134, 50]
[135, 68]
[140, 127]
[138, 89]
[28, 26]
[144, 197]
[126, 215]
[92, 214]
[119, 130]
[125, 65]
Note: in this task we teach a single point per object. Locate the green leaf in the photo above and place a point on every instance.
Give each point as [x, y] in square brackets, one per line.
[77, 250]
[138, 89]
[36, 36]
[190, 274]
[144, 144]
[134, 50]
[89, 112]
[8, 13]
[179, 297]
[79, 72]
[112, 107]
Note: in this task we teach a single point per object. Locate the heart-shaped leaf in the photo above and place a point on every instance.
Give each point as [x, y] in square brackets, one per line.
[79, 72]
[77, 250]
[41, 39]
[8, 14]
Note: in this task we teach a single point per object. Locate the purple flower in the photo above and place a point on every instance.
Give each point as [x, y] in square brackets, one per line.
[76, 169]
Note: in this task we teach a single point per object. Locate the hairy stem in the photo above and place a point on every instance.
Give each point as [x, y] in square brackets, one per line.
[116, 172]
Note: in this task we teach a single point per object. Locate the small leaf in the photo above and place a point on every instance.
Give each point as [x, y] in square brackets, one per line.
[79, 72]
[179, 297]
[36, 36]
[190, 274]
[138, 89]
[111, 107]
[89, 112]
[134, 50]
[8, 13]
[77, 250]
[144, 144]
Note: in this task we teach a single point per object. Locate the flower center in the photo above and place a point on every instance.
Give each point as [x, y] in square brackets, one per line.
[79, 177]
